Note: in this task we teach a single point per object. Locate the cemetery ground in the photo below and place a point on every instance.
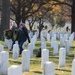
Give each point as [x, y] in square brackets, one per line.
[35, 62]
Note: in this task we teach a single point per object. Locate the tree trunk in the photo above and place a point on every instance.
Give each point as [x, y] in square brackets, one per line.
[30, 27]
[5, 17]
[40, 29]
[39, 33]
[73, 17]
[23, 19]
[18, 19]
[18, 13]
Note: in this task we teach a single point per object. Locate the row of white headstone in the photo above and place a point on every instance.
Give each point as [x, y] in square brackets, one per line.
[48, 67]
[62, 52]
[14, 70]
[54, 39]
[67, 42]
[43, 43]
[26, 62]
[57, 35]
[26, 54]
[62, 57]
[54, 45]
[17, 70]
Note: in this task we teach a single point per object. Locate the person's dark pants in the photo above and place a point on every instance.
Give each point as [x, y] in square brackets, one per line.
[13, 42]
[20, 46]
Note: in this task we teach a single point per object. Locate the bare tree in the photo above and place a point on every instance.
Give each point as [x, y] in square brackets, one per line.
[5, 17]
[23, 9]
[31, 21]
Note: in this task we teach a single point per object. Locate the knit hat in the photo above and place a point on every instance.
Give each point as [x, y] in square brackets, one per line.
[14, 24]
[23, 24]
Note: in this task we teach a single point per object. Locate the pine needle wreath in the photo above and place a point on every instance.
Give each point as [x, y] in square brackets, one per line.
[8, 34]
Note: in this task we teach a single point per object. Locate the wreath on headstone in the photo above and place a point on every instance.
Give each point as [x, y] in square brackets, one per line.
[8, 34]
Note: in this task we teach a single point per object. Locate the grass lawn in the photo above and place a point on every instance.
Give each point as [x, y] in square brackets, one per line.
[35, 62]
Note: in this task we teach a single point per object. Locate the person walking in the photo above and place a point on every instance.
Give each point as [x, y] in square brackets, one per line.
[22, 36]
[13, 29]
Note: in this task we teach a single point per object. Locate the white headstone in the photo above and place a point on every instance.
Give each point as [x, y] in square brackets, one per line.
[73, 67]
[70, 41]
[14, 70]
[61, 41]
[52, 42]
[9, 44]
[45, 57]
[50, 34]
[16, 42]
[35, 38]
[62, 57]
[25, 44]
[49, 68]
[48, 37]
[37, 33]
[4, 63]
[43, 45]
[15, 51]
[42, 39]
[41, 35]
[65, 37]
[6, 42]
[1, 48]
[61, 35]
[30, 34]
[33, 42]
[67, 47]
[25, 60]
[69, 33]
[58, 35]
[72, 36]
[55, 47]
[55, 37]
[30, 48]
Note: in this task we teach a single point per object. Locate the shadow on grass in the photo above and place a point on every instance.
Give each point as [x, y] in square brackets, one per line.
[38, 45]
[72, 47]
[36, 51]
[10, 52]
[64, 70]
[16, 62]
[40, 72]
[71, 55]
[35, 61]
[37, 72]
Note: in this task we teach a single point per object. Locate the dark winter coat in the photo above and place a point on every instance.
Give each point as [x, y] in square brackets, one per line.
[23, 35]
[13, 30]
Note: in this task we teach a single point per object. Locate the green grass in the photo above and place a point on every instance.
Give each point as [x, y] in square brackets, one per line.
[35, 62]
